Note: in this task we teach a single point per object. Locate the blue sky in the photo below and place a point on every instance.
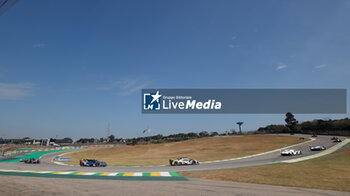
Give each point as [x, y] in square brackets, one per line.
[69, 67]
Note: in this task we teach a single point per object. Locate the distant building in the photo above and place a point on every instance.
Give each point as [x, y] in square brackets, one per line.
[64, 141]
[42, 142]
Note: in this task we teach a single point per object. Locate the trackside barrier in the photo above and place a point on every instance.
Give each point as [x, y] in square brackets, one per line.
[99, 146]
[7, 153]
[64, 159]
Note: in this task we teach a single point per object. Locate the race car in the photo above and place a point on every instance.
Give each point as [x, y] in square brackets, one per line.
[317, 148]
[92, 163]
[334, 138]
[337, 140]
[32, 161]
[183, 161]
[290, 152]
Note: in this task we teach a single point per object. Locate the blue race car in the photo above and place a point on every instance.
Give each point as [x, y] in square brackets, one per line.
[317, 148]
[92, 163]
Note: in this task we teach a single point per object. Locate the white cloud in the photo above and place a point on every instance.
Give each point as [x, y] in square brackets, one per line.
[126, 86]
[232, 45]
[320, 66]
[38, 45]
[281, 66]
[15, 91]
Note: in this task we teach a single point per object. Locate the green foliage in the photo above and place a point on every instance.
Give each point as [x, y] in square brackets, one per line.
[321, 126]
[291, 122]
[204, 134]
[233, 132]
[274, 129]
[192, 134]
[329, 127]
[86, 140]
[111, 138]
[17, 142]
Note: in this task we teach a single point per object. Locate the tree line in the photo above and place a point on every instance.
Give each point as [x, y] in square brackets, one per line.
[317, 126]
[156, 138]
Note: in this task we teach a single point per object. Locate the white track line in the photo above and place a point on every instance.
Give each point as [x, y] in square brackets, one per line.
[88, 173]
[63, 173]
[276, 150]
[164, 174]
[43, 172]
[112, 174]
[137, 174]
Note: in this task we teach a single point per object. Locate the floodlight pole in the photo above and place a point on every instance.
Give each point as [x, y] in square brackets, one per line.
[108, 131]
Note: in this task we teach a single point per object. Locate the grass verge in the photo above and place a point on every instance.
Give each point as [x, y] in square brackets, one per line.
[328, 172]
[203, 149]
[18, 157]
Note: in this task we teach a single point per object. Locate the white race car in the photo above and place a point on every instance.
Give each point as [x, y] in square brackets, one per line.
[290, 152]
[183, 161]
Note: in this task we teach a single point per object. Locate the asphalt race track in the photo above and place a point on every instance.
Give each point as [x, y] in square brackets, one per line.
[48, 165]
[29, 185]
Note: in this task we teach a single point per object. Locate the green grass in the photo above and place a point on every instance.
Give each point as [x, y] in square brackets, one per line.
[202, 149]
[35, 155]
